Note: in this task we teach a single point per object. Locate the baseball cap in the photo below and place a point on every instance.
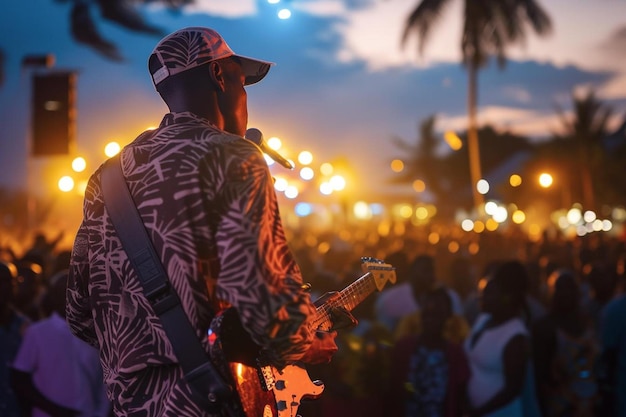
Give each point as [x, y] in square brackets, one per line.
[194, 46]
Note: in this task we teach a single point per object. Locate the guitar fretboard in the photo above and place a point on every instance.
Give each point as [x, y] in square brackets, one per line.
[349, 298]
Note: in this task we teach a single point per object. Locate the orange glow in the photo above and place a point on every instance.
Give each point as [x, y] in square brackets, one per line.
[515, 180]
[397, 165]
[419, 186]
[545, 180]
[453, 140]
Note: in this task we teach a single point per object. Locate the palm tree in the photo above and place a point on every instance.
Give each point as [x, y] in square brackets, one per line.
[587, 128]
[422, 162]
[490, 26]
[124, 13]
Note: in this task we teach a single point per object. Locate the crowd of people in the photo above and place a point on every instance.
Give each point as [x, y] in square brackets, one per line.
[518, 328]
[537, 333]
[45, 370]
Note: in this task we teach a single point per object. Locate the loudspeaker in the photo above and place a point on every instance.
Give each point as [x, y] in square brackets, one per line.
[53, 113]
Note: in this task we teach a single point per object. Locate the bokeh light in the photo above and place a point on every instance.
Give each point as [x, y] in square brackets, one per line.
[338, 182]
[307, 173]
[482, 186]
[419, 186]
[66, 183]
[545, 180]
[274, 143]
[397, 165]
[305, 157]
[111, 149]
[79, 164]
[284, 14]
[515, 180]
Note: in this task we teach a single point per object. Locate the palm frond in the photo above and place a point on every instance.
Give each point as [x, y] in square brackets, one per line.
[122, 13]
[84, 30]
[421, 20]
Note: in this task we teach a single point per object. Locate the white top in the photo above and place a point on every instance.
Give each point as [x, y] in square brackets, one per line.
[397, 302]
[65, 369]
[487, 365]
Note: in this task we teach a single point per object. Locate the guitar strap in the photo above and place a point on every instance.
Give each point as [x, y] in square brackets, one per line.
[208, 386]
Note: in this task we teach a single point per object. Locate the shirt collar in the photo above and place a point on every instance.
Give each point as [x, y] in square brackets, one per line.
[183, 117]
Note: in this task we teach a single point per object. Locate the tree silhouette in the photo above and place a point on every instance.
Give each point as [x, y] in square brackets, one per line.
[125, 13]
[582, 139]
[490, 26]
[445, 172]
[421, 160]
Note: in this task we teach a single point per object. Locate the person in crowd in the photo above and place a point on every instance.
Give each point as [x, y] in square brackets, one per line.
[462, 277]
[565, 352]
[601, 278]
[12, 327]
[429, 373]
[206, 197]
[613, 359]
[397, 302]
[498, 347]
[30, 288]
[54, 372]
[42, 252]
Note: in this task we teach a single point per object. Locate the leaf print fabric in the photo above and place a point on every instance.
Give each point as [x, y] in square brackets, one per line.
[206, 198]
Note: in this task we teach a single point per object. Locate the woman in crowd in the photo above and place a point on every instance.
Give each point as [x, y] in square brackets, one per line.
[498, 346]
[565, 350]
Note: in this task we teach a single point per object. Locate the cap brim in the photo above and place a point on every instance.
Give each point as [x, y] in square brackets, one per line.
[254, 69]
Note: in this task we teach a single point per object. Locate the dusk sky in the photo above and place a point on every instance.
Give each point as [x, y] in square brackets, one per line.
[342, 85]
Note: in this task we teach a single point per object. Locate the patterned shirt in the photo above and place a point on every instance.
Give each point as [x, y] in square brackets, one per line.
[428, 381]
[207, 200]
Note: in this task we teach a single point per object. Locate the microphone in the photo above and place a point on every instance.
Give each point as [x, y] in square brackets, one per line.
[255, 135]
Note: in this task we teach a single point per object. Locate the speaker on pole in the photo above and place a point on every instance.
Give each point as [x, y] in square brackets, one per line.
[53, 113]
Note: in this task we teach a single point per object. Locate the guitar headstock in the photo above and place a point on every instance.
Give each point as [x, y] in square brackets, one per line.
[381, 271]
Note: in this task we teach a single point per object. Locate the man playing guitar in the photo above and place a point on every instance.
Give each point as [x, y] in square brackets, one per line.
[206, 198]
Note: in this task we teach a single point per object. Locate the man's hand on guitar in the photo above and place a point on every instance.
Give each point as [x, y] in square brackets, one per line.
[339, 316]
[322, 349]
[324, 345]
[342, 318]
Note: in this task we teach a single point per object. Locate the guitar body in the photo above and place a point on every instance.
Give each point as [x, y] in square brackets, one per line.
[263, 390]
[255, 401]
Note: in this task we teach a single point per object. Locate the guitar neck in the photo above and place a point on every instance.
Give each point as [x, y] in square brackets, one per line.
[349, 298]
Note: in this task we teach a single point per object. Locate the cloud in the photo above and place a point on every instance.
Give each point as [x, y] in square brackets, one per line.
[347, 107]
[616, 44]
[371, 32]
[323, 8]
[612, 51]
[614, 89]
[523, 122]
[517, 93]
[229, 9]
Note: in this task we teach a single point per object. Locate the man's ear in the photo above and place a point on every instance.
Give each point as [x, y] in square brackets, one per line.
[216, 74]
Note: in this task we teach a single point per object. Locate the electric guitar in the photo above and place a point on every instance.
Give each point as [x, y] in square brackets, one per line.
[263, 390]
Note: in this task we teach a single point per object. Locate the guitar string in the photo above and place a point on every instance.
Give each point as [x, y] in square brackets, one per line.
[350, 297]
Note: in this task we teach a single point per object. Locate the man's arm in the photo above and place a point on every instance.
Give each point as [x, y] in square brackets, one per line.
[78, 307]
[258, 273]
